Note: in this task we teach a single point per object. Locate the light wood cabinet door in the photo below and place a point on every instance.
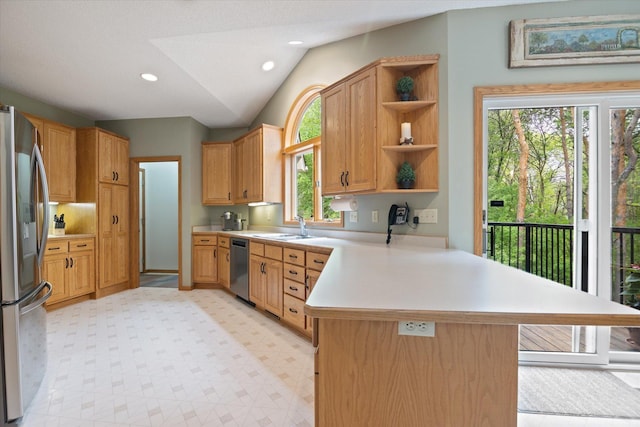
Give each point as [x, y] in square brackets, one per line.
[252, 167]
[60, 161]
[273, 287]
[54, 271]
[57, 144]
[361, 149]
[205, 264]
[333, 140]
[121, 160]
[106, 239]
[113, 263]
[81, 273]
[216, 173]
[113, 155]
[224, 266]
[238, 187]
[312, 278]
[121, 211]
[257, 281]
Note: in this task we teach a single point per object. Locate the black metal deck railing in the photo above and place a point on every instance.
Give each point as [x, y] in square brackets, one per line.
[546, 250]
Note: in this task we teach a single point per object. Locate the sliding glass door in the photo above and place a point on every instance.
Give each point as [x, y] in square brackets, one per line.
[549, 186]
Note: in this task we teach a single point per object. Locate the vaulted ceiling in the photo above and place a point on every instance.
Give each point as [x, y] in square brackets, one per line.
[87, 56]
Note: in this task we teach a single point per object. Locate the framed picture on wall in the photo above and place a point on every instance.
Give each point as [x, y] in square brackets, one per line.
[576, 40]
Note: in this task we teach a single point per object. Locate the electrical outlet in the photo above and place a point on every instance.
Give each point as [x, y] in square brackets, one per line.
[353, 216]
[427, 216]
[417, 328]
[374, 216]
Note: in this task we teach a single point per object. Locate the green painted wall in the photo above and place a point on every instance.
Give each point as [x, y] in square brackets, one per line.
[473, 48]
[38, 108]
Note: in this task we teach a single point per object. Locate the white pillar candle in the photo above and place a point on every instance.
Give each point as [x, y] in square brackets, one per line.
[405, 129]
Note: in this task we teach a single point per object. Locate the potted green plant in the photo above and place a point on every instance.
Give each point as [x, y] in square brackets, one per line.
[404, 87]
[406, 177]
[631, 291]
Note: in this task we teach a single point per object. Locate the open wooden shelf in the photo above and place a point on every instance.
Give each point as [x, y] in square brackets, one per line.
[406, 106]
[409, 148]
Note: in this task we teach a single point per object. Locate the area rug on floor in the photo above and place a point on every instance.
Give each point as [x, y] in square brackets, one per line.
[576, 392]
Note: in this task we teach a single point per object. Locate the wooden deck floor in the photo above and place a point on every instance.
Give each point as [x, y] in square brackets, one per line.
[558, 338]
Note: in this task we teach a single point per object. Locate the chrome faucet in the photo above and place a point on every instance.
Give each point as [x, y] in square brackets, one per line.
[303, 225]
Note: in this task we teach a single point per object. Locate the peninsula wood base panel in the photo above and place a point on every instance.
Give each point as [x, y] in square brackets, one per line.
[368, 375]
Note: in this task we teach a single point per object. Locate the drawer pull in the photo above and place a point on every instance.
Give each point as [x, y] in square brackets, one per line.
[293, 310]
[204, 240]
[318, 261]
[293, 288]
[295, 273]
[54, 249]
[293, 256]
[84, 245]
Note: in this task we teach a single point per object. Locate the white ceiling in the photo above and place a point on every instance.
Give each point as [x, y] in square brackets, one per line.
[86, 55]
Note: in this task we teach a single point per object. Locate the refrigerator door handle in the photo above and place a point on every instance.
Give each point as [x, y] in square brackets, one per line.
[35, 291]
[39, 301]
[37, 161]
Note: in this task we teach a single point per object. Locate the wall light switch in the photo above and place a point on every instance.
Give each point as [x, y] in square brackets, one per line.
[353, 216]
[428, 216]
[374, 216]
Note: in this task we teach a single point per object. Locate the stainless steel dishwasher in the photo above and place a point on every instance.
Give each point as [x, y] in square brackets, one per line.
[240, 268]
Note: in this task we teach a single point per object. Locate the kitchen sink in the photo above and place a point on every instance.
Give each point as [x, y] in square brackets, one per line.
[284, 237]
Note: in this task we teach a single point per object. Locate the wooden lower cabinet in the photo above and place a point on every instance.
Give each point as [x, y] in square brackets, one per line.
[69, 265]
[366, 374]
[265, 284]
[204, 256]
[224, 267]
[113, 237]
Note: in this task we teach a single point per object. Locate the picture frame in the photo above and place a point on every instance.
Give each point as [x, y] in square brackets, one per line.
[607, 39]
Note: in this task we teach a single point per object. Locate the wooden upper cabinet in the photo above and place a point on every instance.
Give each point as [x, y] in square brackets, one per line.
[216, 173]
[58, 146]
[258, 166]
[361, 122]
[349, 135]
[113, 152]
[360, 158]
[333, 139]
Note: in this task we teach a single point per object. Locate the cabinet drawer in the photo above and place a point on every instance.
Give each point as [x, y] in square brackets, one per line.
[294, 311]
[295, 289]
[294, 256]
[205, 240]
[273, 252]
[256, 249]
[223, 241]
[294, 272]
[316, 261]
[81, 245]
[57, 247]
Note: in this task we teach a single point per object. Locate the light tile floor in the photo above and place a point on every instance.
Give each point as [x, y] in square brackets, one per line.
[159, 357]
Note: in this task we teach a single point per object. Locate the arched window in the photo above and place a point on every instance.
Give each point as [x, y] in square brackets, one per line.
[302, 139]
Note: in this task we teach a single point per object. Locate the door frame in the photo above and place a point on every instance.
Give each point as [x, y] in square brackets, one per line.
[482, 92]
[134, 210]
[142, 217]
[481, 95]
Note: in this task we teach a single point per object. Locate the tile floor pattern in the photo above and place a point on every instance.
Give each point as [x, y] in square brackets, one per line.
[160, 357]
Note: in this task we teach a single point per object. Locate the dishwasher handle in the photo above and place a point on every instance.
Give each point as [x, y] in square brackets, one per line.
[239, 242]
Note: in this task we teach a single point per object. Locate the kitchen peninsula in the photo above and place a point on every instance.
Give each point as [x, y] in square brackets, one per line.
[466, 374]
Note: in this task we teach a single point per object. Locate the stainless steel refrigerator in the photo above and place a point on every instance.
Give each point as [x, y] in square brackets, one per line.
[24, 219]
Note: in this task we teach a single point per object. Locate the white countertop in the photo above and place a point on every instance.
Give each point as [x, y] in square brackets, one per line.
[374, 282]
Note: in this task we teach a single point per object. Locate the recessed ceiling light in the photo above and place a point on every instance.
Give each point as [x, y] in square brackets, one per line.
[149, 77]
[268, 66]
[295, 42]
